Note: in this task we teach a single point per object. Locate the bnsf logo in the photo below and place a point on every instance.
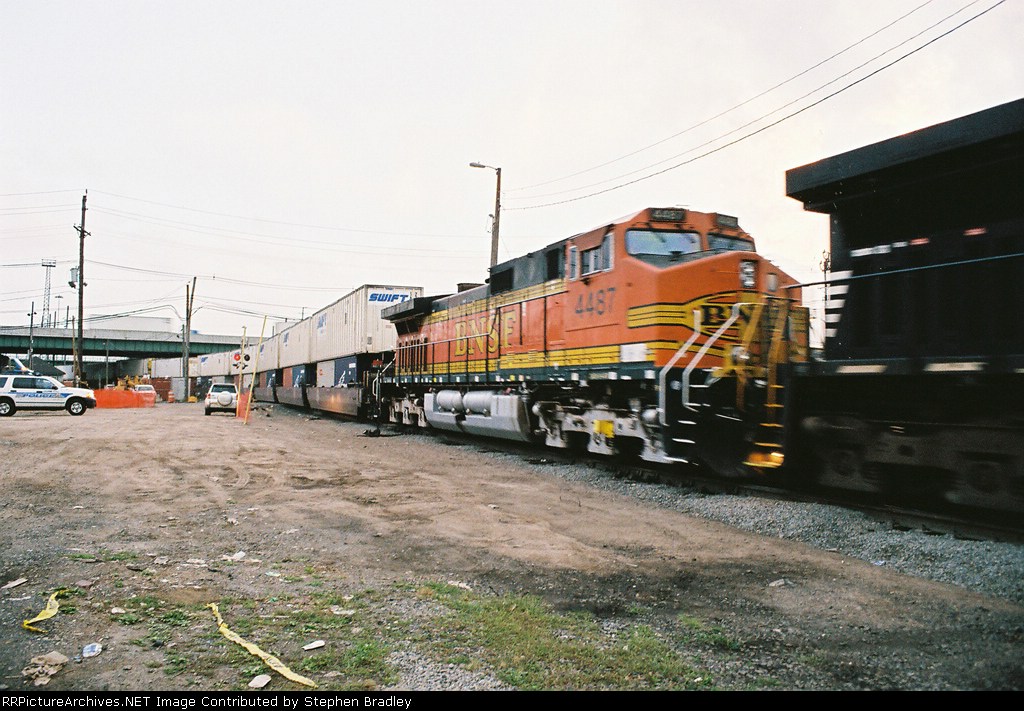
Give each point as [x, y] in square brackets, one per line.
[388, 298]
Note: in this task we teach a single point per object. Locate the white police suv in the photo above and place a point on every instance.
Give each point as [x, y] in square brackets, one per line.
[27, 391]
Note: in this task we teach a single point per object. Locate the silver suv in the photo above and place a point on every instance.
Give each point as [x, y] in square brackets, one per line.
[222, 397]
[24, 391]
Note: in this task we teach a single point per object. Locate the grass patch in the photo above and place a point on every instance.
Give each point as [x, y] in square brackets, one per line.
[531, 647]
[356, 651]
[361, 660]
[127, 618]
[696, 631]
[175, 663]
[175, 618]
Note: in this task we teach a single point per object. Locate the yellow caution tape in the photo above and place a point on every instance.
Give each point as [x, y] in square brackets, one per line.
[271, 661]
[46, 613]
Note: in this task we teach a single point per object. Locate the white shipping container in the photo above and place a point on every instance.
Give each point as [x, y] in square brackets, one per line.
[264, 356]
[293, 347]
[353, 324]
[214, 364]
[166, 368]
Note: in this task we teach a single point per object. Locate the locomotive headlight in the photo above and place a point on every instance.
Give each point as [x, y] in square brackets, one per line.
[748, 274]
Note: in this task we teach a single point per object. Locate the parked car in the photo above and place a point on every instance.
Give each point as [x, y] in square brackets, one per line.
[144, 389]
[221, 397]
[39, 392]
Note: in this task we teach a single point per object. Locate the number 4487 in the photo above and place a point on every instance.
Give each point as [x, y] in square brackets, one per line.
[595, 302]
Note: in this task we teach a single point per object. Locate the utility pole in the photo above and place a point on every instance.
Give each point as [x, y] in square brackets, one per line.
[81, 292]
[186, 344]
[31, 329]
[74, 343]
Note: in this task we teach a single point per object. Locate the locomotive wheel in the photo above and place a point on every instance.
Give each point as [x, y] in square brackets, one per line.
[725, 436]
[723, 446]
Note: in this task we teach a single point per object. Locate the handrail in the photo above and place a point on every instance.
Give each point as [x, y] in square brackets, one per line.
[705, 348]
[375, 388]
[908, 270]
[663, 374]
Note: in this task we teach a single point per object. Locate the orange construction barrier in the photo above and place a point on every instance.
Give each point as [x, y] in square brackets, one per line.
[243, 399]
[124, 398]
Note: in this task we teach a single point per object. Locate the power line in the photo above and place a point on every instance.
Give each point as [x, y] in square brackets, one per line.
[772, 124]
[241, 312]
[730, 109]
[35, 212]
[280, 242]
[38, 207]
[212, 277]
[44, 192]
[332, 228]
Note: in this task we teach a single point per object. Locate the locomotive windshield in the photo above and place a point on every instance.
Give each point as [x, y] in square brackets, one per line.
[724, 243]
[663, 249]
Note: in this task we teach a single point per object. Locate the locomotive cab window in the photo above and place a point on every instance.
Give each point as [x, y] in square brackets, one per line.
[725, 243]
[555, 264]
[663, 249]
[598, 259]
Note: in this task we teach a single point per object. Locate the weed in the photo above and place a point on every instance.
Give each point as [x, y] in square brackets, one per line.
[362, 660]
[175, 618]
[175, 663]
[697, 632]
[145, 601]
[530, 647]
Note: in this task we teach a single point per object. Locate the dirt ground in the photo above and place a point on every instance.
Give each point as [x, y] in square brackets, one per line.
[128, 505]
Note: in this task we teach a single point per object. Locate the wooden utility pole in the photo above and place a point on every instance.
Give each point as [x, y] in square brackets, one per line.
[186, 344]
[81, 293]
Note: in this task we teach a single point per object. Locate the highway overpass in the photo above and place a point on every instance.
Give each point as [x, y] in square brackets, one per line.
[110, 342]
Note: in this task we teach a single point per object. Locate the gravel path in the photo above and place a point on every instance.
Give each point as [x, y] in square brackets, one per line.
[992, 568]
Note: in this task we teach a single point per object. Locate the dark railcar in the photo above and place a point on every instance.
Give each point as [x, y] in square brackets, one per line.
[920, 389]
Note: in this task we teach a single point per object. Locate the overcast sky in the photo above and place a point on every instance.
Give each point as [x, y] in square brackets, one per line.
[285, 153]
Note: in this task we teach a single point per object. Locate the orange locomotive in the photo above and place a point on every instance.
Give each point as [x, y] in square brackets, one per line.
[663, 335]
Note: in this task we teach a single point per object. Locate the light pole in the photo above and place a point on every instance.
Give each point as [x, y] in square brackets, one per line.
[497, 211]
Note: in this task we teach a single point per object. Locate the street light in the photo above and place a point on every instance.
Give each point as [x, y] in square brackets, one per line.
[497, 211]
